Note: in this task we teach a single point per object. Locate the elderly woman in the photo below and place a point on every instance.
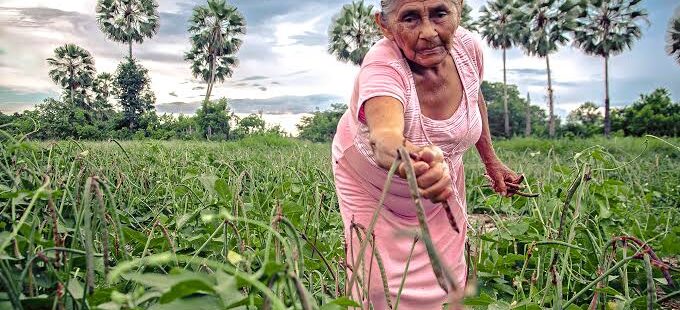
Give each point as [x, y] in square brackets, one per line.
[419, 87]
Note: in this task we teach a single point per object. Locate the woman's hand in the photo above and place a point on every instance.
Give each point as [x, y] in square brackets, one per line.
[503, 180]
[432, 174]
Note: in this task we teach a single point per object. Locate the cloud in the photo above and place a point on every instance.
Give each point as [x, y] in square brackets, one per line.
[262, 88]
[527, 71]
[173, 94]
[310, 39]
[254, 78]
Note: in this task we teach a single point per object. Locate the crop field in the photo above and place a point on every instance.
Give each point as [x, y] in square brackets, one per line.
[254, 224]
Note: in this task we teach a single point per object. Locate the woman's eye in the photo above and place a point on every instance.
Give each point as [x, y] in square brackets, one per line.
[441, 14]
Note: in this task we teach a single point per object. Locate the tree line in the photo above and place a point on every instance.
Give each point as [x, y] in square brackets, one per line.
[654, 113]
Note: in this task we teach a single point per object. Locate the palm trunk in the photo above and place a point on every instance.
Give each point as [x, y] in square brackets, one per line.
[607, 116]
[506, 115]
[212, 79]
[527, 128]
[129, 9]
[551, 129]
[71, 88]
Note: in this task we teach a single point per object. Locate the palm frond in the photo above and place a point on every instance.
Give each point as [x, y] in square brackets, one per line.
[607, 28]
[216, 30]
[353, 32]
[128, 20]
[673, 36]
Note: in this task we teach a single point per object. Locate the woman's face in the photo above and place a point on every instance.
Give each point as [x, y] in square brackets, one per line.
[423, 29]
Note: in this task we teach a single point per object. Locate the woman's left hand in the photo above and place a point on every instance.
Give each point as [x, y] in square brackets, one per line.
[503, 180]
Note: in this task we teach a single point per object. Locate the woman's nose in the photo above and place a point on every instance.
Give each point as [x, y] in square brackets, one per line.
[427, 31]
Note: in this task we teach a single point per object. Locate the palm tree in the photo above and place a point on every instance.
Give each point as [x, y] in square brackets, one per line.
[466, 19]
[499, 28]
[103, 89]
[215, 34]
[548, 23]
[72, 67]
[352, 32]
[673, 36]
[128, 21]
[606, 28]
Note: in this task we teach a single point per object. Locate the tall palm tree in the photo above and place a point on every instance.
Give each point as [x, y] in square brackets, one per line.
[128, 21]
[548, 24]
[673, 36]
[72, 67]
[215, 34]
[499, 27]
[607, 28]
[352, 32]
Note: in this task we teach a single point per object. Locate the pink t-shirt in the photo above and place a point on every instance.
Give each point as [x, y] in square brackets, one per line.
[385, 72]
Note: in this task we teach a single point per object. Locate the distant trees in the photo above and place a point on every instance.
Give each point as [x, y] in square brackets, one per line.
[585, 121]
[134, 93]
[353, 32]
[128, 21]
[495, 95]
[214, 119]
[321, 126]
[654, 114]
[607, 28]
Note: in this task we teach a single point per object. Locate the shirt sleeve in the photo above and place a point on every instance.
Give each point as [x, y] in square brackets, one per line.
[379, 80]
[479, 59]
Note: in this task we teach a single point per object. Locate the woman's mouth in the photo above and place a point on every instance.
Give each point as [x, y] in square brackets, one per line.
[431, 51]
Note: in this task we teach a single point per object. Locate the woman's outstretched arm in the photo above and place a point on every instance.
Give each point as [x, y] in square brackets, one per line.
[385, 121]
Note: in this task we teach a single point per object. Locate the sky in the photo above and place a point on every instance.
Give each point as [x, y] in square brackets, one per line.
[284, 64]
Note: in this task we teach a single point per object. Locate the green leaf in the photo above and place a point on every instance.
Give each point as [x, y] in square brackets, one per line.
[186, 288]
[208, 181]
[223, 190]
[194, 303]
[227, 290]
[75, 289]
[340, 303]
[607, 290]
[481, 300]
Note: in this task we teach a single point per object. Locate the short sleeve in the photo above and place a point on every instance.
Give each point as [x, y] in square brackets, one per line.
[479, 59]
[379, 80]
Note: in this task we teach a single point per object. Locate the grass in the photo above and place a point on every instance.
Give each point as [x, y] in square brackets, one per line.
[255, 224]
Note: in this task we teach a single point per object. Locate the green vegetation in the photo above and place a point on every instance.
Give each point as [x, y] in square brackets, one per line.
[178, 225]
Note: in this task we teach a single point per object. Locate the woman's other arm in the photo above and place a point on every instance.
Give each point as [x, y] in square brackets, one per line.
[503, 180]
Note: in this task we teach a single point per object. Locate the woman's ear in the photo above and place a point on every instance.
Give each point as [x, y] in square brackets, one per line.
[381, 21]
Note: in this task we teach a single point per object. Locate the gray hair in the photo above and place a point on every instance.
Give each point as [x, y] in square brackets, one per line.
[387, 6]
